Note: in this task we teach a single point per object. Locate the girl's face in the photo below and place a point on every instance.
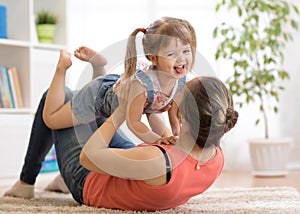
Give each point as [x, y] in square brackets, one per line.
[176, 59]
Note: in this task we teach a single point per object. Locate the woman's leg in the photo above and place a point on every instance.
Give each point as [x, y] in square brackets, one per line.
[69, 143]
[40, 142]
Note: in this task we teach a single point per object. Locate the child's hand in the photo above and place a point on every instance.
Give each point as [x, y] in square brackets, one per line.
[166, 140]
[166, 108]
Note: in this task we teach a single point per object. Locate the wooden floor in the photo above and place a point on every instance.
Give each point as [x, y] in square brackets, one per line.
[226, 179]
[245, 179]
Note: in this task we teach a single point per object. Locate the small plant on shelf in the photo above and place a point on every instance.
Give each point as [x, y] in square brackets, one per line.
[46, 22]
[46, 17]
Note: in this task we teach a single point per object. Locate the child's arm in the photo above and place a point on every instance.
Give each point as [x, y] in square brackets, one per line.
[134, 111]
[158, 125]
[56, 114]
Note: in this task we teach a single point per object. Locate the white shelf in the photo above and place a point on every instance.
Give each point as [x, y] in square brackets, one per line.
[48, 46]
[16, 111]
[35, 64]
[13, 42]
[34, 61]
[26, 44]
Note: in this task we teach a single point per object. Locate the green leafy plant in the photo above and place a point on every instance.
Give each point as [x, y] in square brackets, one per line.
[46, 17]
[254, 44]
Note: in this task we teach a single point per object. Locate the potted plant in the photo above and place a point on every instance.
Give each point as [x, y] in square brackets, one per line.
[254, 44]
[45, 23]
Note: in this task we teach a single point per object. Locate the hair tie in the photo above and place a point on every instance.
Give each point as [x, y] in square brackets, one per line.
[143, 30]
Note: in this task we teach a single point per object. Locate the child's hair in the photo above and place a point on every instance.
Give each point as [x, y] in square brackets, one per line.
[156, 36]
[207, 106]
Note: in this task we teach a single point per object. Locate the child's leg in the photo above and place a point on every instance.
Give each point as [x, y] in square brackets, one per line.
[97, 60]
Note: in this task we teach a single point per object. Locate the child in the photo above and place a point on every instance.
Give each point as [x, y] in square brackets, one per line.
[169, 44]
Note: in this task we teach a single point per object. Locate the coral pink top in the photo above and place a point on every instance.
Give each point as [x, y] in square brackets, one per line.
[113, 192]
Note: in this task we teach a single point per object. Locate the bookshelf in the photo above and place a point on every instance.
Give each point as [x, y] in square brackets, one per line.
[35, 64]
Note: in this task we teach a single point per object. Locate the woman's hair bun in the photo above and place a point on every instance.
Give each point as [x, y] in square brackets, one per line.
[231, 119]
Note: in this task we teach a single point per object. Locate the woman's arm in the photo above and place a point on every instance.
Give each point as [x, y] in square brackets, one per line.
[56, 114]
[141, 163]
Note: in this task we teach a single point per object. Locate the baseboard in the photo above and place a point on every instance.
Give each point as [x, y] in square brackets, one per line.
[293, 166]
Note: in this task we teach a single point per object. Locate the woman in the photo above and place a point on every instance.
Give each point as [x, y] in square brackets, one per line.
[146, 177]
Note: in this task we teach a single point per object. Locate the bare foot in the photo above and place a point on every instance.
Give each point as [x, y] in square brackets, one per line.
[57, 185]
[97, 60]
[89, 55]
[64, 61]
[21, 190]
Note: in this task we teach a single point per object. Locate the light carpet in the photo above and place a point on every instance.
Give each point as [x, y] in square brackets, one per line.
[215, 200]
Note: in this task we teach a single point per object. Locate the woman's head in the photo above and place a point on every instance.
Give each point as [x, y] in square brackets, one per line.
[157, 36]
[206, 106]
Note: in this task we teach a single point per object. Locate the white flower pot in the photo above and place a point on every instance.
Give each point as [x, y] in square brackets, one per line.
[269, 156]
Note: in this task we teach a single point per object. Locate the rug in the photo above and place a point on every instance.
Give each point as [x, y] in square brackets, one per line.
[228, 200]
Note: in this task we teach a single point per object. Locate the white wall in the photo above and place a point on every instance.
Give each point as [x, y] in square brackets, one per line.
[99, 24]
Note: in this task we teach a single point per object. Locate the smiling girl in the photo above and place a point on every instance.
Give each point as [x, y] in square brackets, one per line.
[169, 44]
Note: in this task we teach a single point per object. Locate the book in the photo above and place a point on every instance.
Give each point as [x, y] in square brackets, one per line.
[12, 88]
[5, 88]
[1, 104]
[9, 80]
[17, 87]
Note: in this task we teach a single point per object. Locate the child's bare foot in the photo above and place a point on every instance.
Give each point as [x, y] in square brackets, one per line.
[89, 55]
[97, 60]
[64, 61]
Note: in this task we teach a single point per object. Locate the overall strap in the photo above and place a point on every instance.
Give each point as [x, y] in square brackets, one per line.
[181, 82]
[147, 81]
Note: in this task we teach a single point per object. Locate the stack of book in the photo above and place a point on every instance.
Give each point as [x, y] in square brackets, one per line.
[10, 89]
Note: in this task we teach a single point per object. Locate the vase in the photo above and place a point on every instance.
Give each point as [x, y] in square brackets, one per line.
[269, 157]
[45, 32]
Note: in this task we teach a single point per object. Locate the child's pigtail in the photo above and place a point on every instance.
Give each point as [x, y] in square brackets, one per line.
[131, 58]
